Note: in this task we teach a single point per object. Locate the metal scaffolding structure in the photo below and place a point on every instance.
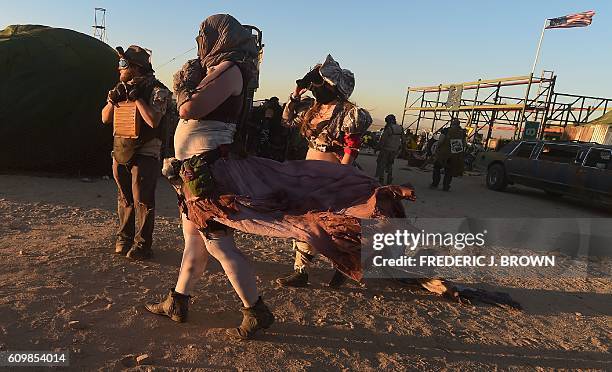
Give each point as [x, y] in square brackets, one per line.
[487, 104]
[99, 27]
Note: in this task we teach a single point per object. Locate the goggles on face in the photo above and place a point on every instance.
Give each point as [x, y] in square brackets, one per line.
[123, 63]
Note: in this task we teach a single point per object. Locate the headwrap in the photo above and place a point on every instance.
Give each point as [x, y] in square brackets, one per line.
[223, 38]
[342, 79]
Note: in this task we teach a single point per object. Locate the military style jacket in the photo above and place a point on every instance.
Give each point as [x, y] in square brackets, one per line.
[149, 141]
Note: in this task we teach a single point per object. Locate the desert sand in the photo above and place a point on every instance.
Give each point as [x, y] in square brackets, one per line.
[63, 288]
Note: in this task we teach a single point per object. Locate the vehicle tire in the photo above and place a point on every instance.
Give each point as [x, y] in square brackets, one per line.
[496, 177]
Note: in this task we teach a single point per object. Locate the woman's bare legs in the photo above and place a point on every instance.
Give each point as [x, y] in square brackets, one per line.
[238, 269]
[195, 258]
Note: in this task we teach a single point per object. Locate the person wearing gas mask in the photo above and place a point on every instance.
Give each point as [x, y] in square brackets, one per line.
[136, 160]
[333, 127]
[389, 146]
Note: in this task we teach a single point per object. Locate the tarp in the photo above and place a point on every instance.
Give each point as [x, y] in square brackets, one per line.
[605, 119]
[53, 85]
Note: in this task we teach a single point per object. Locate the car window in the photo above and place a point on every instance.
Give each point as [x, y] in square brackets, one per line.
[524, 150]
[507, 148]
[598, 158]
[559, 153]
[581, 155]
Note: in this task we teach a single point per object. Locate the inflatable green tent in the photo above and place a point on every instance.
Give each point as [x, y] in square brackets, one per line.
[53, 85]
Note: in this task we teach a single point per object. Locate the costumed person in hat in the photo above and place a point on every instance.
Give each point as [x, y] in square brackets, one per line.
[219, 191]
[389, 145]
[136, 163]
[332, 126]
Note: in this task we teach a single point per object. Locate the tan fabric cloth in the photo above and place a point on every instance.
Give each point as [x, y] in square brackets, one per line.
[225, 39]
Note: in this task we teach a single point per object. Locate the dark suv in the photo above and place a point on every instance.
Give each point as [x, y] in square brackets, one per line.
[560, 168]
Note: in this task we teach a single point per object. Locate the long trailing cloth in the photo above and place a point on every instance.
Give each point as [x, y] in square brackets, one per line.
[313, 201]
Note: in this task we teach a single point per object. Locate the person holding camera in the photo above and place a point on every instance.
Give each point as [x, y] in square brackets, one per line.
[136, 160]
[333, 127]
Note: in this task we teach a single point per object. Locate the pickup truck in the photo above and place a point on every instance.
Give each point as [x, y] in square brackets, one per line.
[580, 169]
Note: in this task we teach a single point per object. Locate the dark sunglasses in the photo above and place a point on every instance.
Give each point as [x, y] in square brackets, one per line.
[123, 63]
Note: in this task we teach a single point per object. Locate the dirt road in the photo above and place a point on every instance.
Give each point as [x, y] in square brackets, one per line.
[56, 243]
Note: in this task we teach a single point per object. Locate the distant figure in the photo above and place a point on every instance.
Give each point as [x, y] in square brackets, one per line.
[449, 154]
[273, 136]
[136, 163]
[389, 145]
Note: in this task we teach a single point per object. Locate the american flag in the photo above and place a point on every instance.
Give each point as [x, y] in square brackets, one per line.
[572, 20]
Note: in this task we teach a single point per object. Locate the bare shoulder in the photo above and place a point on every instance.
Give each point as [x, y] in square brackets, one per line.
[231, 75]
[227, 68]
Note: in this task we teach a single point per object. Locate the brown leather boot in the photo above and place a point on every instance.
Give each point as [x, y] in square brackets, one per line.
[296, 279]
[122, 247]
[253, 319]
[175, 306]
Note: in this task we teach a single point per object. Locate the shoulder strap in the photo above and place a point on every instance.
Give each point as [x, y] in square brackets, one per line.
[241, 135]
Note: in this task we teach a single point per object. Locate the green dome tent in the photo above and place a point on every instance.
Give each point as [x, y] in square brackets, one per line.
[53, 85]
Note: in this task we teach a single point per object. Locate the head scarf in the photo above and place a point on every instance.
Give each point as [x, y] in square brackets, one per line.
[342, 79]
[223, 38]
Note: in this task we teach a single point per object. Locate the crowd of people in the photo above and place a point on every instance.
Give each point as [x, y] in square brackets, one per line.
[293, 177]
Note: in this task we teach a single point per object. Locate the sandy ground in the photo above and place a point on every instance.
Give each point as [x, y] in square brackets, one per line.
[56, 243]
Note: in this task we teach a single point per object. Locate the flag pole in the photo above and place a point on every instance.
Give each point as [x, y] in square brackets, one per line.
[535, 62]
[537, 56]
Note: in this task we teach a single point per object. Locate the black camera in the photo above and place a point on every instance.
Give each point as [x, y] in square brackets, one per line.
[312, 77]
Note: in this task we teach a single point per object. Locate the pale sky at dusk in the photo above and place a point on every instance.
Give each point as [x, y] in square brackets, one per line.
[389, 45]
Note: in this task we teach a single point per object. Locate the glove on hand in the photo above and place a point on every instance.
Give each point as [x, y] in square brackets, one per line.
[134, 89]
[117, 94]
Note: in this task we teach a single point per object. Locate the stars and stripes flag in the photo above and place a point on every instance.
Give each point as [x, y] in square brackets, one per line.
[572, 20]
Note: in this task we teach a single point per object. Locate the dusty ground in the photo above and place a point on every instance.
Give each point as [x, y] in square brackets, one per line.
[56, 243]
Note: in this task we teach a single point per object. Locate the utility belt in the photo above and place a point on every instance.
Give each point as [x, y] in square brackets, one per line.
[193, 178]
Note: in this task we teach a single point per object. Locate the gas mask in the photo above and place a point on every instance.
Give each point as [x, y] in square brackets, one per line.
[323, 94]
[314, 82]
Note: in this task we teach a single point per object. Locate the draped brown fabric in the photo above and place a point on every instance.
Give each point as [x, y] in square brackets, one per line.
[313, 201]
[223, 38]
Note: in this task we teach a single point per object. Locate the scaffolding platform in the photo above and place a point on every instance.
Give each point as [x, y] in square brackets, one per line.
[493, 103]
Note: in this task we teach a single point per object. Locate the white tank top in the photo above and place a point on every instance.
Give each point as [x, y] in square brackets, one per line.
[193, 137]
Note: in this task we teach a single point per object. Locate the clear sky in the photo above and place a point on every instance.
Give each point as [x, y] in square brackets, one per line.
[389, 45]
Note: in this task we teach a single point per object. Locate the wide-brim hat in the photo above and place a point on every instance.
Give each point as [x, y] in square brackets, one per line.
[136, 55]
